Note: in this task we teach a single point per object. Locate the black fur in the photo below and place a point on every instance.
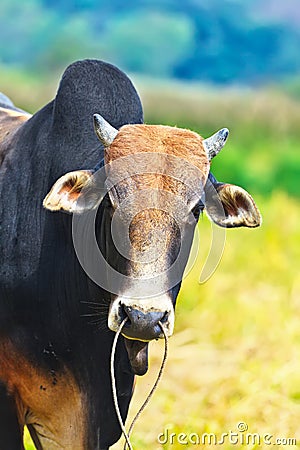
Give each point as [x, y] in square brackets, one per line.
[44, 293]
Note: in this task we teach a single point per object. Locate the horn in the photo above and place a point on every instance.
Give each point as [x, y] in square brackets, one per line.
[214, 144]
[105, 132]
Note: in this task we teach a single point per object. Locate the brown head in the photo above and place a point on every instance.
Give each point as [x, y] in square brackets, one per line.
[156, 179]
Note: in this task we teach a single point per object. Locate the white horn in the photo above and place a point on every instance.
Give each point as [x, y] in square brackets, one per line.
[105, 132]
[214, 144]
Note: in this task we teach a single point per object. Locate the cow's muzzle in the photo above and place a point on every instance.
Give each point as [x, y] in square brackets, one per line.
[145, 317]
[143, 326]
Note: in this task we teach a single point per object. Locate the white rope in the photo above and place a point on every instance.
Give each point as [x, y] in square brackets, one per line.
[114, 389]
[113, 384]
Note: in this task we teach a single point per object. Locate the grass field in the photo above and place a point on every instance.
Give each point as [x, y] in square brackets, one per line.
[235, 353]
[234, 356]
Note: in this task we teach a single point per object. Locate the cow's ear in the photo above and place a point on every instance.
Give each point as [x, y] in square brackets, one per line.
[66, 191]
[231, 206]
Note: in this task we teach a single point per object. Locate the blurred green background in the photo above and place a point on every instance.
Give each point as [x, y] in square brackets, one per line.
[203, 65]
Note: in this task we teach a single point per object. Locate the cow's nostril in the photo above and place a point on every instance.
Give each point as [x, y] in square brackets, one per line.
[124, 312]
[165, 317]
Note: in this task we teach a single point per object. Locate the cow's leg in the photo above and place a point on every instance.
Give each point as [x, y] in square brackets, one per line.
[11, 433]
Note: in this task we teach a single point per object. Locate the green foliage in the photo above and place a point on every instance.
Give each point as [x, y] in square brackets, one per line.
[292, 87]
[167, 39]
[223, 41]
[28, 90]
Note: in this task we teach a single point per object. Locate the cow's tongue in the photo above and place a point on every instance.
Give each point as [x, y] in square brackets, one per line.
[138, 355]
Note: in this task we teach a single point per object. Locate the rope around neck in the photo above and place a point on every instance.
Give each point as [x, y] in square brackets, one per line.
[114, 389]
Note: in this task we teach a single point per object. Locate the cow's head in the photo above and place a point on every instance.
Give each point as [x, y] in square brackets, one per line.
[157, 179]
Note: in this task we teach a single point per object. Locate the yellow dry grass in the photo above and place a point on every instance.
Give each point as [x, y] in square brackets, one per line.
[235, 353]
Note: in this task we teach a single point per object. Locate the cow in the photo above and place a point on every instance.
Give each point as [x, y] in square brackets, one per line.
[54, 371]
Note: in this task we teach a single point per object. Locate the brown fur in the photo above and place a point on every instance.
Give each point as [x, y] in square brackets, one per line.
[155, 222]
[179, 142]
[10, 121]
[49, 403]
[153, 230]
[185, 145]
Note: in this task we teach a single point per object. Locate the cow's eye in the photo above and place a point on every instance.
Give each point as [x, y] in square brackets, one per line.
[198, 209]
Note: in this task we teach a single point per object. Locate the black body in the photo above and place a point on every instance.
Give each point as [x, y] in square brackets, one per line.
[45, 296]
